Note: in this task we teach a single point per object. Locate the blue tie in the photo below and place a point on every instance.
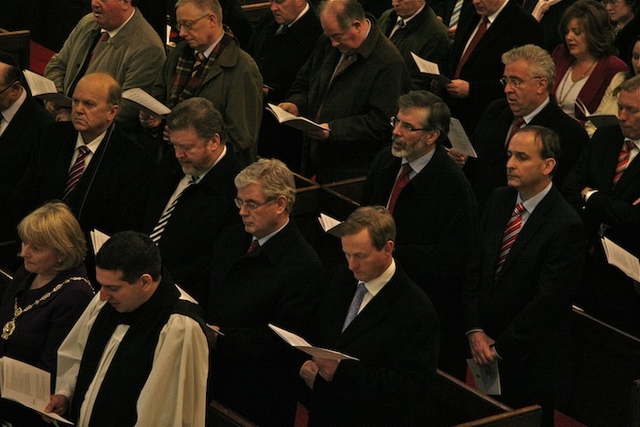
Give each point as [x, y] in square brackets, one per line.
[355, 305]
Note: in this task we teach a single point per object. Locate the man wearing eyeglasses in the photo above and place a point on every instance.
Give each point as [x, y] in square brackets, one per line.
[263, 271]
[210, 64]
[20, 119]
[529, 73]
[190, 200]
[116, 39]
[434, 210]
[349, 85]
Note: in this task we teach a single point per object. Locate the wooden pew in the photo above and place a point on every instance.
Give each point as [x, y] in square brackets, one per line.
[605, 369]
[16, 43]
[219, 415]
[454, 403]
[254, 9]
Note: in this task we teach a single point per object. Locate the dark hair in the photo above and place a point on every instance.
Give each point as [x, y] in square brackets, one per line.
[198, 114]
[438, 116]
[549, 142]
[595, 23]
[346, 11]
[376, 219]
[13, 73]
[132, 253]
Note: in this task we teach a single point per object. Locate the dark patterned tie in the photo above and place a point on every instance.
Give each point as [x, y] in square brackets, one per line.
[253, 246]
[76, 172]
[510, 235]
[156, 234]
[356, 302]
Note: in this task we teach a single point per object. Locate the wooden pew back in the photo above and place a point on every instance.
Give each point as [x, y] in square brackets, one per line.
[16, 43]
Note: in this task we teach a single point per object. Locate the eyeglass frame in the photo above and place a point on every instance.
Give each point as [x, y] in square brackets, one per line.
[188, 25]
[8, 87]
[252, 206]
[394, 121]
[504, 81]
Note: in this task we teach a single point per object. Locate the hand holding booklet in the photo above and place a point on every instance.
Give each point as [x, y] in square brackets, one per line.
[296, 122]
[431, 69]
[619, 257]
[146, 102]
[44, 88]
[26, 385]
[300, 343]
[487, 378]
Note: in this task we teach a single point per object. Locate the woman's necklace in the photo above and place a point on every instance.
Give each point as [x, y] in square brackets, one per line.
[10, 326]
[563, 96]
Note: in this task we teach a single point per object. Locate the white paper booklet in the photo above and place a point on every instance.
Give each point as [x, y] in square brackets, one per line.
[146, 102]
[487, 378]
[598, 120]
[27, 385]
[97, 239]
[44, 88]
[621, 258]
[329, 224]
[459, 139]
[298, 342]
[431, 69]
[296, 122]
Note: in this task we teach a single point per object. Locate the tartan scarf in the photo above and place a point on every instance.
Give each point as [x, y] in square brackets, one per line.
[184, 86]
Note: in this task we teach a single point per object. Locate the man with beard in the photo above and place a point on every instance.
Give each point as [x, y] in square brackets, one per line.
[434, 209]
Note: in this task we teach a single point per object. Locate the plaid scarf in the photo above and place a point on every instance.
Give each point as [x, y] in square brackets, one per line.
[184, 86]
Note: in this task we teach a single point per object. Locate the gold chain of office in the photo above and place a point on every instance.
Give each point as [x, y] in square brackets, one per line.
[10, 326]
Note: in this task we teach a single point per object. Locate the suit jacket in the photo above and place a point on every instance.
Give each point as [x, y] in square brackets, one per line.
[436, 220]
[107, 197]
[488, 171]
[527, 307]
[357, 105]
[396, 339]
[133, 57]
[201, 214]
[512, 27]
[607, 292]
[252, 370]
[425, 35]
[16, 146]
[233, 84]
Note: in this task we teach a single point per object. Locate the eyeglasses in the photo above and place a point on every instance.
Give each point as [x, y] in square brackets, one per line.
[188, 25]
[394, 121]
[252, 206]
[516, 83]
[7, 88]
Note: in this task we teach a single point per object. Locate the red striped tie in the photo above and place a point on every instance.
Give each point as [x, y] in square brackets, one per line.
[510, 234]
[623, 159]
[76, 171]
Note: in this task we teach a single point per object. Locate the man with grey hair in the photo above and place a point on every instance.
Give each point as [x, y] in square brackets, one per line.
[209, 63]
[529, 73]
[262, 272]
[372, 311]
[190, 199]
[349, 85]
[434, 210]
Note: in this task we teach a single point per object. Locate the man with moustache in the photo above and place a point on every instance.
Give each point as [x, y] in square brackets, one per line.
[527, 265]
[434, 210]
[263, 271]
[190, 199]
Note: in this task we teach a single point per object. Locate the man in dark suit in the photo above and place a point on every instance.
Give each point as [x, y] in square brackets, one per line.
[412, 26]
[435, 212]
[190, 199]
[89, 163]
[282, 42]
[604, 187]
[264, 272]
[378, 315]
[20, 119]
[349, 85]
[529, 264]
[529, 74]
[475, 71]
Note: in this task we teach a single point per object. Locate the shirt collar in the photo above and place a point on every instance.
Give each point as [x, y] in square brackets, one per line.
[534, 201]
[493, 16]
[264, 239]
[375, 285]
[305, 10]
[91, 145]
[406, 20]
[10, 112]
[420, 163]
[535, 112]
[113, 33]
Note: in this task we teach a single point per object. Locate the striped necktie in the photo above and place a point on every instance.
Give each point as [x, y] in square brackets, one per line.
[455, 15]
[156, 234]
[510, 235]
[623, 159]
[76, 171]
[354, 307]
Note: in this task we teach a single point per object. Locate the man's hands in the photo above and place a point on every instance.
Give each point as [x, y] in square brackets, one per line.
[481, 350]
[325, 367]
[58, 405]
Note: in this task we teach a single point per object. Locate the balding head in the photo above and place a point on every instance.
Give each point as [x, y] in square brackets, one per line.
[95, 103]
